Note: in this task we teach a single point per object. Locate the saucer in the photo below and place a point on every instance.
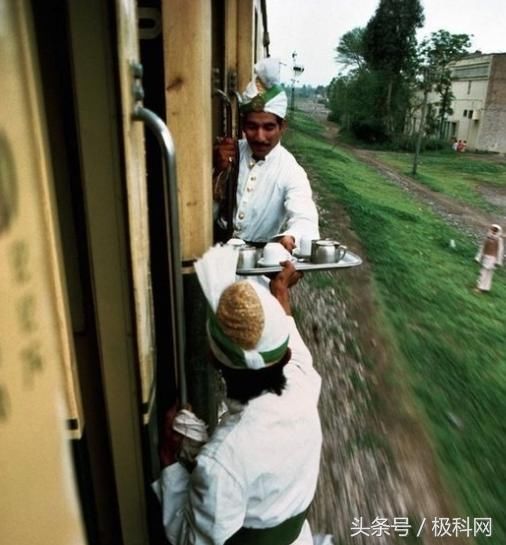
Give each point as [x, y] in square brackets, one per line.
[262, 263]
[297, 253]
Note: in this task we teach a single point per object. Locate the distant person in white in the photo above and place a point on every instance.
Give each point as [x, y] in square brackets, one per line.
[273, 197]
[490, 256]
[254, 480]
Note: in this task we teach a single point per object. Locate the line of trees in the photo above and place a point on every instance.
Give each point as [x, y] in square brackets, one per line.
[388, 72]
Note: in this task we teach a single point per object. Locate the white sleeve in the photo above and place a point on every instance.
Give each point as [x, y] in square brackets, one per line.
[500, 252]
[479, 255]
[204, 508]
[302, 216]
[300, 352]
[172, 490]
[300, 367]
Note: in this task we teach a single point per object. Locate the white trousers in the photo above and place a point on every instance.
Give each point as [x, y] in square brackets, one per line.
[486, 273]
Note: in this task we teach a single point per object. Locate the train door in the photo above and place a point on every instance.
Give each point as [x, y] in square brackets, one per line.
[89, 51]
[89, 248]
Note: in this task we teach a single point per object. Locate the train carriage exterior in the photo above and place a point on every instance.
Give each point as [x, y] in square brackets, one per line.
[102, 212]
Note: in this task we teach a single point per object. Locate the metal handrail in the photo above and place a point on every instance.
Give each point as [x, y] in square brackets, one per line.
[238, 101]
[166, 142]
[233, 172]
[228, 111]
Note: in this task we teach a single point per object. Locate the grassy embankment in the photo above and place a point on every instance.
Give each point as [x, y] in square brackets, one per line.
[452, 341]
[454, 174]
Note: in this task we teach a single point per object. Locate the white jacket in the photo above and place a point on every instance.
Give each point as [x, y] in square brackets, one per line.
[259, 468]
[273, 197]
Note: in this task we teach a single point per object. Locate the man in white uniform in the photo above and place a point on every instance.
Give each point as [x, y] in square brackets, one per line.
[255, 478]
[490, 256]
[273, 197]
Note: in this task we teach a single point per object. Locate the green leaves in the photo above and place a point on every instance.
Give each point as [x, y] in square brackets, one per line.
[350, 51]
[390, 35]
[435, 55]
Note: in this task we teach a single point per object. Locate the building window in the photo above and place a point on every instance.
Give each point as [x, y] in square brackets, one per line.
[478, 71]
[469, 83]
[470, 114]
[464, 114]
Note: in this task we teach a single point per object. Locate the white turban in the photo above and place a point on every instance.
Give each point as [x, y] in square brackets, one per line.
[498, 230]
[247, 326]
[264, 93]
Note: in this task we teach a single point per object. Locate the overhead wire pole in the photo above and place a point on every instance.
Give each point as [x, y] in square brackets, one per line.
[297, 70]
[292, 100]
[266, 41]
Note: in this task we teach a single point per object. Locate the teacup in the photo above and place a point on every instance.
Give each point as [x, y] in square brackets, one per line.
[247, 257]
[305, 246]
[274, 252]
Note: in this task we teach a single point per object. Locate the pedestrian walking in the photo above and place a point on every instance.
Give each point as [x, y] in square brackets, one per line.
[489, 256]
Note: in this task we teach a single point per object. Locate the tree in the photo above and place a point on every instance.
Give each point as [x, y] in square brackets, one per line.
[426, 85]
[350, 51]
[353, 102]
[337, 94]
[438, 52]
[390, 45]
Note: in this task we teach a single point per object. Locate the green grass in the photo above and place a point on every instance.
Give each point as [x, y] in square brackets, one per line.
[452, 341]
[456, 175]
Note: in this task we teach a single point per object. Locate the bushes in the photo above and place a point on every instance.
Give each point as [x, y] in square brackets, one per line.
[436, 144]
[334, 117]
[404, 142]
[371, 135]
[369, 130]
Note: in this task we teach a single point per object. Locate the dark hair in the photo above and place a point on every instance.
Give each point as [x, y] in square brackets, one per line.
[246, 384]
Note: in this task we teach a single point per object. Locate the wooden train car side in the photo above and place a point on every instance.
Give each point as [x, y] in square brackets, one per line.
[101, 321]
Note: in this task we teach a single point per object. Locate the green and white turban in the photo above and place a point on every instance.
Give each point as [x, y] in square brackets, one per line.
[265, 93]
[247, 326]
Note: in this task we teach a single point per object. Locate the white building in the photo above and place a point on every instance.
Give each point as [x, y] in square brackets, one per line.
[479, 106]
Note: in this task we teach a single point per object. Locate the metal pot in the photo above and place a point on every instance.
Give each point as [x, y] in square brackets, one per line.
[327, 251]
[247, 257]
[324, 251]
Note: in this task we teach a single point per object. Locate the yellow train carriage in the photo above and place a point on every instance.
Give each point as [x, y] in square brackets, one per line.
[100, 320]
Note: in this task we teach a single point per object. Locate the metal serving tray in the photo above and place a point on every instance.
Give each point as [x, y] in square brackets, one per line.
[305, 265]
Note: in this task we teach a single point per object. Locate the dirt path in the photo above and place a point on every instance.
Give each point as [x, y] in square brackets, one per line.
[377, 459]
[467, 219]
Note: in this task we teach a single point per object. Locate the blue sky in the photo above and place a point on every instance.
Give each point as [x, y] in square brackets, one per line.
[313, 29]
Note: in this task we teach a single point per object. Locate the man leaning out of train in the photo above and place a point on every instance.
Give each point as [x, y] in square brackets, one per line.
[273, 199]
[252, 482]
